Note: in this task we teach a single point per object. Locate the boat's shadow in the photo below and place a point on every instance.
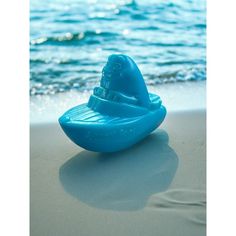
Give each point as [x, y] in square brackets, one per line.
[121, 181]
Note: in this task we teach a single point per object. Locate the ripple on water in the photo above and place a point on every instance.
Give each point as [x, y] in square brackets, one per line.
[165, 38]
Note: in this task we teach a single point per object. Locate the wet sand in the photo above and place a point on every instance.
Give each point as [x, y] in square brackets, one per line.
[155, 188]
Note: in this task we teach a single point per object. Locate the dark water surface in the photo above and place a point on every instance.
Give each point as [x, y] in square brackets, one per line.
[71, 40]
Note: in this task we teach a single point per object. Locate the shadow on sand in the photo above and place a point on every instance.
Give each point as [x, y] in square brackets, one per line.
[121, 181]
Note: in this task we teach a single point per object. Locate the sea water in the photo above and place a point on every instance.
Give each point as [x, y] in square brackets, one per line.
[70, 41]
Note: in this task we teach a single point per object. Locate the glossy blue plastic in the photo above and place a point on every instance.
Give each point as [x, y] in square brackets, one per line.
[119, 113]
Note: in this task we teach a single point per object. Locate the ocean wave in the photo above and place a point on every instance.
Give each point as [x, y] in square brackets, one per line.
[70, 38]
[52, 85]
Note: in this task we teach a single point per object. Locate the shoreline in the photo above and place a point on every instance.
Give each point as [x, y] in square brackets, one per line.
[175, 97]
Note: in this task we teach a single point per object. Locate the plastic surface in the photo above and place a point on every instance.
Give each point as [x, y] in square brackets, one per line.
[118, 114]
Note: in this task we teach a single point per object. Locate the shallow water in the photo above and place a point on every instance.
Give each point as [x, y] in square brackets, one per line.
[71, 40]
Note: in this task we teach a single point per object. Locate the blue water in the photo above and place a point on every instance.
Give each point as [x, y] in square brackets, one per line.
[70, 41]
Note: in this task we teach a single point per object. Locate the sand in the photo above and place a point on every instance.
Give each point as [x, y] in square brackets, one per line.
[155, 188]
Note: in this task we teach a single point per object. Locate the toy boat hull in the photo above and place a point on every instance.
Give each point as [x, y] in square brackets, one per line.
[95, 132]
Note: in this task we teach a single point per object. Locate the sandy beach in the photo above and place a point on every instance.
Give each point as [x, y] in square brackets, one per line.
[118, 51]
[157, 187]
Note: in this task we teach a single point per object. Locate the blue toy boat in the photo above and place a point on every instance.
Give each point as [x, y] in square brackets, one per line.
[119, 113]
